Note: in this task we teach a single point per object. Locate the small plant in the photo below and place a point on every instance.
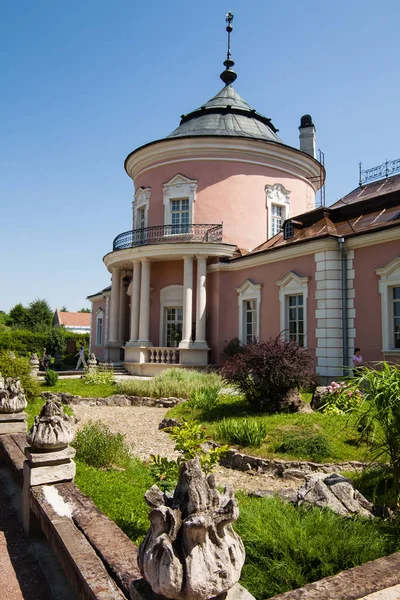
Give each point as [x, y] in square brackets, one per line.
[99, 377]
[306, 443]
[97, 446]
[179, 383]
[19, 367]
[205, 398]
[265, 372]
[50, 377]
[190, 439]
[381, 386]
[242, 432]
[341, 398]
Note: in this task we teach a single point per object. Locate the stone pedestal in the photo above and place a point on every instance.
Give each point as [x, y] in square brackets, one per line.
[42, 468]
[13, 423]
[34, 364]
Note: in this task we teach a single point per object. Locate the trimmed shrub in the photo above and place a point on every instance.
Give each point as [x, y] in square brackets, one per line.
[265, 372]
[98, 447]
[54, 339]
[19, 367]
[304, 443]
[242, 432]
[50, 377]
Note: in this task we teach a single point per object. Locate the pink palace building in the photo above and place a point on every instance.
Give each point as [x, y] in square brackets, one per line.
[228, 241]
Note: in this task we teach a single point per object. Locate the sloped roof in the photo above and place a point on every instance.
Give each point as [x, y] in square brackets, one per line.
[382, 187]
[73, 319]
[226, 114]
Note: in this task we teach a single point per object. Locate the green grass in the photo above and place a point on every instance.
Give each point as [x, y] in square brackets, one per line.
[338, 430]
[78, 387]
[288, 547]
[179, 383]
[119, 494]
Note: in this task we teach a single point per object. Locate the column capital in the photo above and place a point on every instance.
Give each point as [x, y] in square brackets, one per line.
[201, 257]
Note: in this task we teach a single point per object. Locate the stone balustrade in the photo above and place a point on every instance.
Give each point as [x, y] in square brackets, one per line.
[166, 356]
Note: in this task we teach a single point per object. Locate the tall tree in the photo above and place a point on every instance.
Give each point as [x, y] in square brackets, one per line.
[19, 315]
[63, 308]
[85, 310]
[39, 314]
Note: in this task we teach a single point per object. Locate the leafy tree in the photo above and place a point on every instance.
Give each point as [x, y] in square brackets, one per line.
[18, 315]
[39, 315]
[84, 310]
[63, 308]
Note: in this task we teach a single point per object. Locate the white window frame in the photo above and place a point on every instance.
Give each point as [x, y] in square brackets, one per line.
[277, 195]
[171, 296]
[179, 188]
[142, 200]
[292, 285]
[100, 317]
[389, 278]
[248, 291]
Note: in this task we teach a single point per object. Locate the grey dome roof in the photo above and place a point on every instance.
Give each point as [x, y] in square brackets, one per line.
[226, 114]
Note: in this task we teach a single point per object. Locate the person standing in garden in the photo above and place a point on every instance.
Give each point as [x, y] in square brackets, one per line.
[81, 355]
[357, 362]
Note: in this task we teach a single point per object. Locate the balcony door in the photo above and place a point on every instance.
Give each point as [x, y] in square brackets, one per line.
[173, 319]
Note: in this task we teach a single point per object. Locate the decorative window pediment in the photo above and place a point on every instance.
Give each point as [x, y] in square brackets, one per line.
[391, 270]
[249, 300]
[278, 207]
[140, 207]
[293, 311]
[178, 188]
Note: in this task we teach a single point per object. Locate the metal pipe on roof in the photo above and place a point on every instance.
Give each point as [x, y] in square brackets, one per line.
[345, 329]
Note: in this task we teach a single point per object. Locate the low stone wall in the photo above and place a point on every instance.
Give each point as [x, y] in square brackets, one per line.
[288, 469]
[116, 400]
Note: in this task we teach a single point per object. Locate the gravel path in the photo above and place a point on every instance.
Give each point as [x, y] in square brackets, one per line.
[140, 426]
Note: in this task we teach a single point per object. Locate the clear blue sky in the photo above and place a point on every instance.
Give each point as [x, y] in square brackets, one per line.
[83, 83]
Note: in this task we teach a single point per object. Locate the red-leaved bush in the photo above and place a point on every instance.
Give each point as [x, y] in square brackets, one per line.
[267, 372]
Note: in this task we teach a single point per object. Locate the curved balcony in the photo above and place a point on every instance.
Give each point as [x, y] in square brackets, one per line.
[168, 234]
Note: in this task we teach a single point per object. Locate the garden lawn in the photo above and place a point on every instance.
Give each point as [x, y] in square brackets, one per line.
[340, 431]
[286, 547]
[78, 387]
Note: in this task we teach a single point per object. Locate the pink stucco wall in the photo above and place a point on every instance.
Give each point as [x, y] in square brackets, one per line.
[368, 321]
[228, 192]
[223, 310]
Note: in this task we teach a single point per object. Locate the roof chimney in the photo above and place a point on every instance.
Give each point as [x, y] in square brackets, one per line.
[307, 136]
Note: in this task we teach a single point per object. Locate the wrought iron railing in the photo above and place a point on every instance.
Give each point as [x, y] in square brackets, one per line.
[386, 169]
[168, 234]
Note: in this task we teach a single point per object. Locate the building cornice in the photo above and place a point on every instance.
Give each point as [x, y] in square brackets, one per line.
[276, 255]
[246, 150]
[377, 237]
[122, 259]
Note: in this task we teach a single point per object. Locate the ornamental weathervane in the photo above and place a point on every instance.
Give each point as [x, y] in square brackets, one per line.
[228, 76]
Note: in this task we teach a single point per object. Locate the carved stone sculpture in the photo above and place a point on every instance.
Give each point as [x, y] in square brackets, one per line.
[191, 551]
[12, 396]
[52, 429]
[92, 362]
[34, 363]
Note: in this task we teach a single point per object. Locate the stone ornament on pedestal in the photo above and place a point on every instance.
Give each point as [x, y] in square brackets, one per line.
[12, 404]
[191, 551]
[34, 363]
[92, 362]
[49, 457]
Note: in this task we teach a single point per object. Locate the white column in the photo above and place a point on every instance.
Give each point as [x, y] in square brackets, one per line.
[122, 312]
[187, 301]
[144, 321]
[135, 302]
[115, 294]
[201, 303]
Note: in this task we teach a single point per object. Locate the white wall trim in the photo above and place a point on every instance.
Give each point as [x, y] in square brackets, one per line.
[389, 277]
[100, 315]
[290, 285]
[278, 195]
[141, 200]
[248, 291]
[179, 187]
[170, 295]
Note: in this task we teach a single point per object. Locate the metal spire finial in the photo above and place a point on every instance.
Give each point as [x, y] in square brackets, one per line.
[228, 76]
